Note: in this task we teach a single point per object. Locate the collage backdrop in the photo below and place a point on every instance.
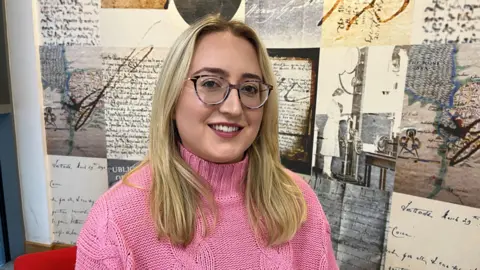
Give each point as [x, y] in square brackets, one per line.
[379, 111]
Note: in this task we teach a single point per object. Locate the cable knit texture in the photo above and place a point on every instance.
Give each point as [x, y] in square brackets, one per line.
[119, 232]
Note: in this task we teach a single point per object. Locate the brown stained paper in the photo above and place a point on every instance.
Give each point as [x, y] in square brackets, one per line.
[428, 234]
[386, 22]
[294, 108]
[147, 4]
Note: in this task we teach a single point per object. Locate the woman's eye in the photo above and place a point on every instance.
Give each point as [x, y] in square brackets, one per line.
[250, 89]
[210, 84]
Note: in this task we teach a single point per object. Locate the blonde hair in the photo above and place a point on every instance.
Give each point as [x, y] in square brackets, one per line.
[275, 204]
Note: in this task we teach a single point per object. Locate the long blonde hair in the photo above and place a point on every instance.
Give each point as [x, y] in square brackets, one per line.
[275, 204]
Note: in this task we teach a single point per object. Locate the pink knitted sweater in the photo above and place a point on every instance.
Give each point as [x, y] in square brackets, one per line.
[119, 232]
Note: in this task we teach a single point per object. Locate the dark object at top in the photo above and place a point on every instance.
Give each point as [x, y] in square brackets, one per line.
[193, 10]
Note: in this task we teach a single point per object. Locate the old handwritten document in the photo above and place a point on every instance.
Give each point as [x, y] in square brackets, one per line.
[424, 234]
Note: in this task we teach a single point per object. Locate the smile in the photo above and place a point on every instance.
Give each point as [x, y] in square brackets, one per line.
[225, 128]
[226, 131]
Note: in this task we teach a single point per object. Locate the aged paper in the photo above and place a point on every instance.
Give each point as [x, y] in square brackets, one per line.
[366, 22]
[75, 183]
[143, 4]
[296, 75]
[446, 21]
[157, 28]
[295, 87]
[69, 22]
[130, 76]
[285, 23]
[428, 234]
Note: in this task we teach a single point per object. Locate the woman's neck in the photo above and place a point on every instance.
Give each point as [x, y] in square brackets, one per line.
[226, 180]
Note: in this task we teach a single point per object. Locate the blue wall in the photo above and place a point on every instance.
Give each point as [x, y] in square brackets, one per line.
[11, 190]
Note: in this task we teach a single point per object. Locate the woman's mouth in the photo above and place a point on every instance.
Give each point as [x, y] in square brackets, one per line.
[226, 131]
[224, 128]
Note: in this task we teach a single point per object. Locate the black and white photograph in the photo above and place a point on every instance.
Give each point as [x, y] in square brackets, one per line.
[358, 113]
[359, 222]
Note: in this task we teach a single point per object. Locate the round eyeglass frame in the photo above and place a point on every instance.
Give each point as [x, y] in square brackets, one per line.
[229, 88]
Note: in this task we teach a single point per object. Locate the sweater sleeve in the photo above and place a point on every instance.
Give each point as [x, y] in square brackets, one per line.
[312, 244]
[99, 244]
[330, 255]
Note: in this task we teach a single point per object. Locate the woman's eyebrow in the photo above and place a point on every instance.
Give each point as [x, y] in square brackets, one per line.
[251, 76]
[226, 74]
[217, 71]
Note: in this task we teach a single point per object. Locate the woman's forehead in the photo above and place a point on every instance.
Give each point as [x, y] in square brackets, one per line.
[228, 54]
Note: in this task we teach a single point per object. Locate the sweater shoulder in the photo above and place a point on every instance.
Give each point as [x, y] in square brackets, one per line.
[125, 198]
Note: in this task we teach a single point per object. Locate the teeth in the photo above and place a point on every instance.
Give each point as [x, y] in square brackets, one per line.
[225, 128]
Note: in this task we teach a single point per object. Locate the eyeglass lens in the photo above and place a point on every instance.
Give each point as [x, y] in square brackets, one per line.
[212, 90]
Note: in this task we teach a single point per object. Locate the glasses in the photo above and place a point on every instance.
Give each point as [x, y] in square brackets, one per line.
[213, 90]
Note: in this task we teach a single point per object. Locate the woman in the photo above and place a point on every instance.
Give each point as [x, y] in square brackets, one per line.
[212, 193]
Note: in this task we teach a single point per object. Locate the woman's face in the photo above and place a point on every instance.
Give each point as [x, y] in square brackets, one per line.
[208, 131]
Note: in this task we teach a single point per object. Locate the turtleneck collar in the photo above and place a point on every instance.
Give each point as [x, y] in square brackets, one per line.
[225, 179]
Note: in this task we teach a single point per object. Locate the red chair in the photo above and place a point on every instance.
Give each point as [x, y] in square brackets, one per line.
[58, 259]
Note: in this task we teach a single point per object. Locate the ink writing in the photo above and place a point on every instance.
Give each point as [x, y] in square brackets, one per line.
[447, 22]
[355, 15]
[415, 210]
[70, 22]
[396, 232]
[76, 184]
[128, 101]
[295, 90]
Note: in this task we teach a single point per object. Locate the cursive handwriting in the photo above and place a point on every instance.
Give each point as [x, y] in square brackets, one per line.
[295, 89]
[399, 234]
[129, 101]
[68, 216]
[458, 219]
[414, 210]
[94, 166]
[451, 22]
[73, 22]
[369, 7]
[434, 261]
